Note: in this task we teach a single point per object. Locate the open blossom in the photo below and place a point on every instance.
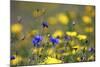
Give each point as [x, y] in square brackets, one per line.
[36, 40]
[54, 40]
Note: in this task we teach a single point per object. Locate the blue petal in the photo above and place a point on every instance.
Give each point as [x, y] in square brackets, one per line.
[54, 40]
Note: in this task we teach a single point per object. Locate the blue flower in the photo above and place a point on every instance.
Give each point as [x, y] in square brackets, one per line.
[54, 40]
[36, 40]
[45, 24]
[12, 57]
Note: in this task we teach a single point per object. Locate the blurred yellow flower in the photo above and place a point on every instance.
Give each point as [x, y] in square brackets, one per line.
[78, 59]
[93, 14]
[34, 50]
[88, 8]
[16, 28]
[88, 29]
[50, 51]
[33, 32]
[58, 33]
[86, 19]
[91, 57]
[62, 18]
[17, 60]
[38, 12]
[82, 37]
[52, 20]
[50, 60]
[73, 52]
[76, 48]
[37, 50]
[72, 42]
[71, 33]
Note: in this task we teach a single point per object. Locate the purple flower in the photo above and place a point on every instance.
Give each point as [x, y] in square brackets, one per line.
[67, 38]
[45, 24]
[91, 50]
[36, 40]
[54, 40]
[12, 57]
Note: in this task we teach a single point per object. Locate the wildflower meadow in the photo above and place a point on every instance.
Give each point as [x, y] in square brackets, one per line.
[51, 33]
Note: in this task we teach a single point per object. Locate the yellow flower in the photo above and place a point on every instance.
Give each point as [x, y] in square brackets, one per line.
[72, 42]
[52, 20]
[89, 29]
[76, 48]
[91, 57]
[38, 12]
[16, 28]
[86, 19]
[88, 9]
[62, 18]
[82, 37]
[50, 60]
[33, 32]
[58, 33]
[71, 33]
[37, 50]
[78, 59]
[17, 60]
[73, 52]
[50, 51]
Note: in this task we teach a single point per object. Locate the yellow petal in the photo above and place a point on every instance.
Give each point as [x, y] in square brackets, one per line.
[50, 60]
[82, 37]
[58, 33]
[86, 19]
[71, 33]
[16, 28]
[89, 29]
[63, 19]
